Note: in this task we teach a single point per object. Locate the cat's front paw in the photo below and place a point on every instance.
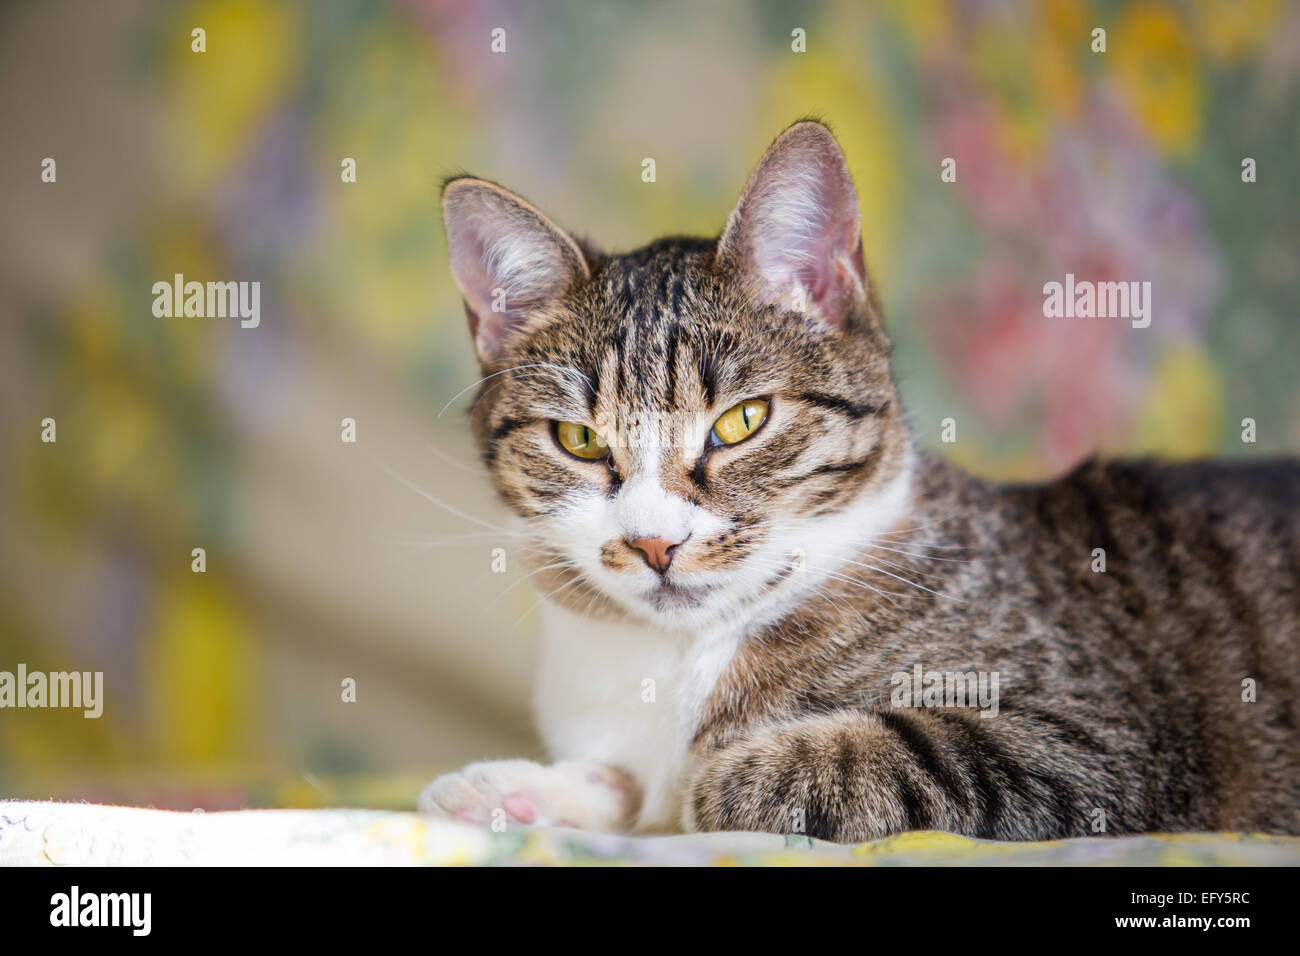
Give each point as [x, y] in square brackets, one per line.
[588, 796]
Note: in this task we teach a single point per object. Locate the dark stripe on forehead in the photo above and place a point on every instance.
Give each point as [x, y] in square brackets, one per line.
[597, 363]
[659, 293]
[675, 296]
[593, 393]
[637, 352]
[641, 315]
[620, 355]
[674, 331]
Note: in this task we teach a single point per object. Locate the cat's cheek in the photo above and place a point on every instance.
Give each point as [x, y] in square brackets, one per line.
[581, 532]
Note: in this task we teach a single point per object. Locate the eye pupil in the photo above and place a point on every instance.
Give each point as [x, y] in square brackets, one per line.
[580, 440]
[740, 421]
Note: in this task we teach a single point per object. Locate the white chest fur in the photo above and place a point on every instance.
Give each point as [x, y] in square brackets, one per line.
[628, 695]
[632, 695]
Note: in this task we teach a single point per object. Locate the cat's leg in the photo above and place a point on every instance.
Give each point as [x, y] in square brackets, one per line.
[580, 794]
[853, 776]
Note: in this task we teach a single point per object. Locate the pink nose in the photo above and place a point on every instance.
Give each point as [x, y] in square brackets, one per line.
[657, 552]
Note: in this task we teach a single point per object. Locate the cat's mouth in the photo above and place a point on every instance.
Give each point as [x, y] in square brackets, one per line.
[671, 596]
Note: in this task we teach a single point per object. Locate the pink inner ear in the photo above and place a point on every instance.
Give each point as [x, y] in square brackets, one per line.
[467, 264]
[799, 225]
[826, 264]
[488, 328]
[497, 242]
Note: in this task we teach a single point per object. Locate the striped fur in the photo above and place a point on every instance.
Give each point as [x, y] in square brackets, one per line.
[832, 557]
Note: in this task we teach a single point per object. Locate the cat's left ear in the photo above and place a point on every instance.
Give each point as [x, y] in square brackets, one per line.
[508, 259]
[797, 233]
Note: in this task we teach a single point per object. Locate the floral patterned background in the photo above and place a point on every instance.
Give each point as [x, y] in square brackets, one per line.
[327, 560]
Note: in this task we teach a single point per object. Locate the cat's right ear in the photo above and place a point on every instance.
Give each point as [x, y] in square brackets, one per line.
[508, 260]
[796, 232]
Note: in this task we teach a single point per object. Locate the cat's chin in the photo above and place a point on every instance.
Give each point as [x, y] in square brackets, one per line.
[668, 597]
[679, 606]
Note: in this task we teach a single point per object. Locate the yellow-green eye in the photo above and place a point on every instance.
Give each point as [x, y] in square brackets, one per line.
[740, 421]
[580, 440]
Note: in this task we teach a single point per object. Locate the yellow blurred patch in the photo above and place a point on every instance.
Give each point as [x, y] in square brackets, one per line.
[1153, 63]
[927, 24]
[221, 95]
[385, 106]
[1001, 54]
[1061, 32]
[204, 668]
[1182, 411]
[1229, 32]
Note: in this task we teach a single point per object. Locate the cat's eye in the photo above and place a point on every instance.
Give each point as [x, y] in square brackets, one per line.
[740, 421]
[580, 440]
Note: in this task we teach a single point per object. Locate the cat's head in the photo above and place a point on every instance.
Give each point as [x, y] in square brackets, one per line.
[689, 431]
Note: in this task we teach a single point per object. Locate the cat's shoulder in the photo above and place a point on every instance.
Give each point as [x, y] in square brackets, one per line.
[1188, 490]
[1269, 476]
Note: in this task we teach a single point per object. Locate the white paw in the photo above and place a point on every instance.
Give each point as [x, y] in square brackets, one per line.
[588, 796]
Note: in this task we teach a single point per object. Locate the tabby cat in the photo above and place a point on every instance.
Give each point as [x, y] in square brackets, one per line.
[765, 609]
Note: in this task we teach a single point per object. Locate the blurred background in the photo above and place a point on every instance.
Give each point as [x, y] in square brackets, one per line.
[223, 689]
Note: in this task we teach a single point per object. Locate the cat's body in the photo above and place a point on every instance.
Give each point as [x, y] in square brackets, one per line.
[1119, 690]
[727, 624]
[1126, 685]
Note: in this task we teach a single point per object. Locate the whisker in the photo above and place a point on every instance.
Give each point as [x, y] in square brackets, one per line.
[565, 563]
[438, 501]
[925, 557]
[922, 587]
[546, 597]
[872, 544]
[844, 578]
[470, 469]
[567, 369]
[424, 545]
[488, 391]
